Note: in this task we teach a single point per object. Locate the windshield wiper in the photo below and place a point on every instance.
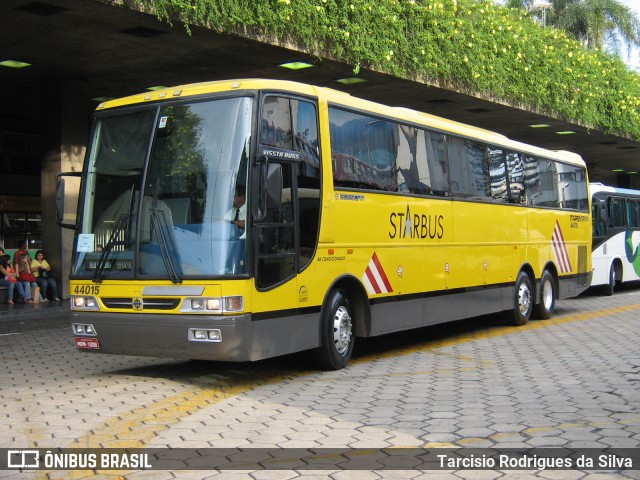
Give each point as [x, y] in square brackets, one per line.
[119, 227]
[159, 223]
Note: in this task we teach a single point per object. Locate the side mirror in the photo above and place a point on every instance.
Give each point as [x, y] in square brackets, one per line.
[274, 185]
[269, 190]
[65, 211]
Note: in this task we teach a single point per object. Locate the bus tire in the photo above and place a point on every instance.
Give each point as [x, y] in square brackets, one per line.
[609, 289]
[522, 301]
[336, 332]
[544, 309]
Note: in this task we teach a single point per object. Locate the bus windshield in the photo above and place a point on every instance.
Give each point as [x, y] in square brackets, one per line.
[159, 192]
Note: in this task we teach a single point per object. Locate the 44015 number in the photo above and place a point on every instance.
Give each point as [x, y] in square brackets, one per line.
[87, 290]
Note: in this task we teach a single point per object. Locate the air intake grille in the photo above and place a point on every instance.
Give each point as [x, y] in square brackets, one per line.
[161, 303]
[583, 276]
[582, 259]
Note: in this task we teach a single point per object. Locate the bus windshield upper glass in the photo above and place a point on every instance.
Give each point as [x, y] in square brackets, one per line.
[164, 190]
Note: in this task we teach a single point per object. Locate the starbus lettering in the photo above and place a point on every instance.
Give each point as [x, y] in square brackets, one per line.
[408, 225]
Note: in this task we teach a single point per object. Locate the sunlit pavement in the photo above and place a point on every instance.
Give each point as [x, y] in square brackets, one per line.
[572, 381]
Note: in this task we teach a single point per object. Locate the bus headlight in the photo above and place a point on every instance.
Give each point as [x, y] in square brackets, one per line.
[202, 304]
[197, 303]
[233, 304]
[204, 335]
[210, 304]
[85, 303]
[83, 329]
[213, 305]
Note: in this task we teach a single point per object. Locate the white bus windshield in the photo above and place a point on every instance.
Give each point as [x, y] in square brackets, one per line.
[188, 160]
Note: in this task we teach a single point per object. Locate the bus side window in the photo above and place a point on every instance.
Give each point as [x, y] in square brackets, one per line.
[305, 136]
[363, 150]
[382, 149]
[516, 178]
[599, 219]
[407, 176]
[632, 214]
[530, 178]
[468, 168]
[305, 125]
[498, 174]
[616, 213]
[546, 192]
[433, 169]
[276, 123]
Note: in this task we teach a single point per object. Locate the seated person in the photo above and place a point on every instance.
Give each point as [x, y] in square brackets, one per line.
[10, 276]
[42, 271]
[238, 214]
[25, 276]
[22, 250]
[239, 211]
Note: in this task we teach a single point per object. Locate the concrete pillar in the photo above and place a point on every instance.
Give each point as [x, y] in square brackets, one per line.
[65, 127]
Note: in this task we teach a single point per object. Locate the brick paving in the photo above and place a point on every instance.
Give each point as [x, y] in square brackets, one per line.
[572, 382]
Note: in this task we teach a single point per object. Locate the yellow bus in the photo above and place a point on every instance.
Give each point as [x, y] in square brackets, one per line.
[359, 219]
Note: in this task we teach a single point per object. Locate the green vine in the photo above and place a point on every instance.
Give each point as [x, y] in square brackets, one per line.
[471, 45]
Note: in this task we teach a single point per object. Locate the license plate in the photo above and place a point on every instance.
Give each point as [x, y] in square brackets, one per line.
[91, 343]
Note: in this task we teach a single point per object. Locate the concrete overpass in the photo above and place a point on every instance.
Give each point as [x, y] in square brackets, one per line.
[83, 50]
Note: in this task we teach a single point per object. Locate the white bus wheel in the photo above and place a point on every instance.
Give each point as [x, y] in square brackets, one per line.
[336, 332]
[544, 309]
[522, 301]
[613, 280]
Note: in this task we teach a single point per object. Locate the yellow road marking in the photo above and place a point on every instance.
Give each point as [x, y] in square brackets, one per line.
[466, 358]
[134, 429]
[534, 430]
[439, 445]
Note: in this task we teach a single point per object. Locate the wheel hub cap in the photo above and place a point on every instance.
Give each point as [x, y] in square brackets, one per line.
[341, 330]
[547, 295]
[524, 299]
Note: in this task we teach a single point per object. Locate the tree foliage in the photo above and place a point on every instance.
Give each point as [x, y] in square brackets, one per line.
[473, 46]
[595, 23]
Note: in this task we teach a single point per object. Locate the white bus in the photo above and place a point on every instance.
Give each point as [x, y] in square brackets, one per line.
[616, 235]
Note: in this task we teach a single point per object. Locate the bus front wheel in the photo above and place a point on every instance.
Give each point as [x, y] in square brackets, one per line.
[522, 301]
[336, 334]
[613, 281]
[544, 309]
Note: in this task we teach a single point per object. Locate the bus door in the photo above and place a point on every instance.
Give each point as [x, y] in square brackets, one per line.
[599, 220]
[287, 207]
[274, 228]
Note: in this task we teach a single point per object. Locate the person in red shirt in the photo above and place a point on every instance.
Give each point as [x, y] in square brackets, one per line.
[22, 250]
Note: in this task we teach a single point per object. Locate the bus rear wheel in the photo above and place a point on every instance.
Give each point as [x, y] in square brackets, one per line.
[522, 301]
[336, 334]
[544, 309]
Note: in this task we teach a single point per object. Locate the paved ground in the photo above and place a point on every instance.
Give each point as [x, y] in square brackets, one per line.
[571, 382]
[29, 316]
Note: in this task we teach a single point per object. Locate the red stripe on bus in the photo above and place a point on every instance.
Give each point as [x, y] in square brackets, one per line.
[381, 272]
[372, 280]
[561, 249]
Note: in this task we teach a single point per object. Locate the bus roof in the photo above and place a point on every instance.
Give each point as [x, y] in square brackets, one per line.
[337, 97]
[596, 187]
